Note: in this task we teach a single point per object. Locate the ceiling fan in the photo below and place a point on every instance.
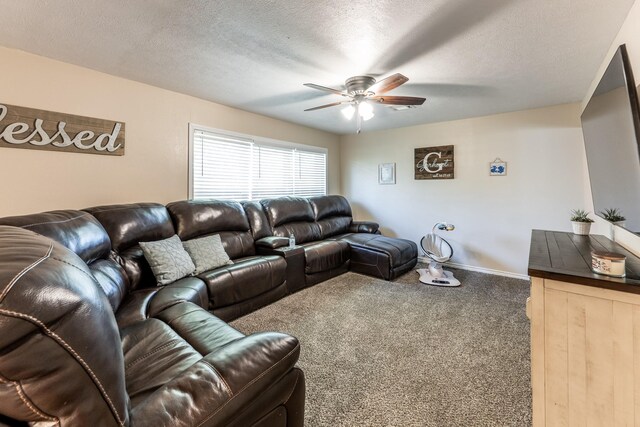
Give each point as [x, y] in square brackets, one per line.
[362, 91]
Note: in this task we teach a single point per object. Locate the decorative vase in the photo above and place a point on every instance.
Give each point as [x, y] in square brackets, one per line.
[619, 223]
[581, 228]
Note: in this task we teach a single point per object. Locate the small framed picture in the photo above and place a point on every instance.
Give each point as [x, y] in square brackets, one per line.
[498, 167]
[387, 173]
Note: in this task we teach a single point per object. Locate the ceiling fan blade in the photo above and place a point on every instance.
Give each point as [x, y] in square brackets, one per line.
[398, 100]
[333, 104]
[389, 83]
[325, 89]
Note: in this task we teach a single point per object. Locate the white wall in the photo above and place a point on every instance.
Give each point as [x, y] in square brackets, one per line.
[493, 215]
[630, 35]
[154, 167]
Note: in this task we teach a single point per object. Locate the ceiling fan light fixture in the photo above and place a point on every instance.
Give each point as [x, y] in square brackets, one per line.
[365, 110]
[348, 112]
[362, 91]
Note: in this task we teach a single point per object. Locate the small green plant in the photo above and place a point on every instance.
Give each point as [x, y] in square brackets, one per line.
[612, 215]
[579, 215]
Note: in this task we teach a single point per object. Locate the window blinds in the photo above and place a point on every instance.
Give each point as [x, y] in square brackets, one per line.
[234, 168]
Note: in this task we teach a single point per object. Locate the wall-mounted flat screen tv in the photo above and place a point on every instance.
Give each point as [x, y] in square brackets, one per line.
[611, 129]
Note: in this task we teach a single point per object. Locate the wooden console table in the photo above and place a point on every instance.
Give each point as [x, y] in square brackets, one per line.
[585, 334]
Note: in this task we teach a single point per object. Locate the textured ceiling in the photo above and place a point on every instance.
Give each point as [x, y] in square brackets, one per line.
[467, 57]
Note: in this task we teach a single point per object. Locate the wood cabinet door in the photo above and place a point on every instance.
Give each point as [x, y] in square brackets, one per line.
[591, 356]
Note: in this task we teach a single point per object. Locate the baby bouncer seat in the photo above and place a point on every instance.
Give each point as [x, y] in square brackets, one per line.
[439, 251]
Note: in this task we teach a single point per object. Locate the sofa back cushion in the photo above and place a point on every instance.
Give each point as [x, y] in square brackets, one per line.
[112, 279]
[60, 345]
[329, 206]
[199, 218]
[292, 215]
[81, 233]
[283, 210]
[332, 213]
[132, 223]
[257, 219]
[76, 230]
[127, 225]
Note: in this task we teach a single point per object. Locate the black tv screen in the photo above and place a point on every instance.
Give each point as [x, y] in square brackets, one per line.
[611, 129]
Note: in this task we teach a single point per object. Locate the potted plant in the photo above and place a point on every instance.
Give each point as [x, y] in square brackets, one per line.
[580, 222]
[614, 216]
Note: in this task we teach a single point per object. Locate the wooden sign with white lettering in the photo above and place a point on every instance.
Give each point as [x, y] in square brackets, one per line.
[22, 127]
[434, 162]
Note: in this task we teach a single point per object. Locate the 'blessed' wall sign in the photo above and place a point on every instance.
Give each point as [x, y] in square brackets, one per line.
[434, 162]
[22, 127]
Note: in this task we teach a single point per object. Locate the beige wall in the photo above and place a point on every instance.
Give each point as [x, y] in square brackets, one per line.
[547, 170]
[547, 176]
[493, 215]
[630, 35]
[154, 167]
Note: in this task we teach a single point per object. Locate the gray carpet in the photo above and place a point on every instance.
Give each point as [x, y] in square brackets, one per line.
[400, 353]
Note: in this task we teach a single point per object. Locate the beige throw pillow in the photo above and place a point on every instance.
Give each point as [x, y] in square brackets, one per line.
[207, 253]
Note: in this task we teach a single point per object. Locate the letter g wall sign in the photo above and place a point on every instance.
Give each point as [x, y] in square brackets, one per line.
[434, 162]
[22, 127]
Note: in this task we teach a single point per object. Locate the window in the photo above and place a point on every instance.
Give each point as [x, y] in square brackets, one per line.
[241, 168]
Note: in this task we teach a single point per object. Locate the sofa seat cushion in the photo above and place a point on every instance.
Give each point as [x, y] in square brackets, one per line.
[400, 251]
[380, 256]
[244, 279]
[153, 355]
[325, 255]
[202, 330]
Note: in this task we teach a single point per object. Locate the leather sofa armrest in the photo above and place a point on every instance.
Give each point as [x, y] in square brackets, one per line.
[364, 227]
[224, 383]
[272, 242]
[191, 289]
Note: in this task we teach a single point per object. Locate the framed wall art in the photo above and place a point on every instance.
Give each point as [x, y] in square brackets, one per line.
[387, 173]
[30, 128]
[434, 162]
[498, 167]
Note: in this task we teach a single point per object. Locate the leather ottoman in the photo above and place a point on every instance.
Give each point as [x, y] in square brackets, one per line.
[380, 256]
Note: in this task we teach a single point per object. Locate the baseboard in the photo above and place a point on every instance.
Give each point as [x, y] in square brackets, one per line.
[479, 269]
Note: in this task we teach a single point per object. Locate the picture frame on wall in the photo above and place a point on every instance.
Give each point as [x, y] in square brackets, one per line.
[386, 173]
[498, 167]
[432, 163]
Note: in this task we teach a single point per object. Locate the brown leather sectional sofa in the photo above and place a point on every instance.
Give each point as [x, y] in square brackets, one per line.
[88, 338]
